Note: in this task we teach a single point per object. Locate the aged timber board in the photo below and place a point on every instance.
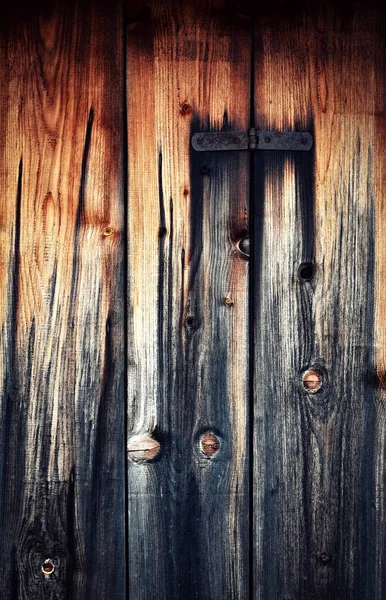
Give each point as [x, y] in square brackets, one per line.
[319, 457]
[134, 328]
[62, 459]
[188, 524]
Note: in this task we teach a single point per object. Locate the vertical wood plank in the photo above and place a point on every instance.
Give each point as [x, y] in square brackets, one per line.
[62, 459]
[188, 345]
[319, 473]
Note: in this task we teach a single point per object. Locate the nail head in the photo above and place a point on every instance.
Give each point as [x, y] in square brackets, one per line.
[209, 444]
[48, 567]
[312, 381]
[245, 246]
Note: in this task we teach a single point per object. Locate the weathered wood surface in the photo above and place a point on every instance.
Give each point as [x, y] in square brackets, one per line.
[104, 207]
[319, 472]
[62, 457]
[188, 71]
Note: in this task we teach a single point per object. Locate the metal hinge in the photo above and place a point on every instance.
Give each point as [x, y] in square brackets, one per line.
[252, 140]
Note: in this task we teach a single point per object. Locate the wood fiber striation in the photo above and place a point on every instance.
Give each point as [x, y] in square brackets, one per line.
[188, 374]
[62, 460]
[318, 510]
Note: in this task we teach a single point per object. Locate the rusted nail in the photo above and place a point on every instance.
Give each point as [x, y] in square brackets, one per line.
[142, 448]
[228, 301]
[267, 140]
[108, 231]
[245, 246]
[209, 444]
[312, 381]
[48, 567]
[303, 141]
[200, 141]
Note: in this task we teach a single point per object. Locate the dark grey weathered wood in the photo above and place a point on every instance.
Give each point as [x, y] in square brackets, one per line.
[319, 472]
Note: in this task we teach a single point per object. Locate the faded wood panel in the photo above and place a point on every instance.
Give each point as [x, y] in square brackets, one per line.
[189, 64]
[61, 314]
[319, 472]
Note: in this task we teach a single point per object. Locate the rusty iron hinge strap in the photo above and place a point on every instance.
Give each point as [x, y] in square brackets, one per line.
[252, 140]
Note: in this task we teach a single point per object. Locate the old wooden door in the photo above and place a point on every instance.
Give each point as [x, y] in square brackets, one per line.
[192, 365]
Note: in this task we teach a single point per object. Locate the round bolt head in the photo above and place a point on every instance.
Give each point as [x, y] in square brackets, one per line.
[312, 381]
[48, 567]
[245, 246]
[209, 444]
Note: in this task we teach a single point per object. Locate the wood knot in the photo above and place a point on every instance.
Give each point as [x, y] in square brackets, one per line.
[228, 301]
[209, 444]
[185, 109]
[325, 558]
[108, 231]
[312, 381]
[191, 322]
[48, 567]
[306, 271]
[143, 448]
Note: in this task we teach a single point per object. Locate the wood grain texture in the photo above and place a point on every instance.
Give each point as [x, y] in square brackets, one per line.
[188, 347]
[319, 472]
[62, 459]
